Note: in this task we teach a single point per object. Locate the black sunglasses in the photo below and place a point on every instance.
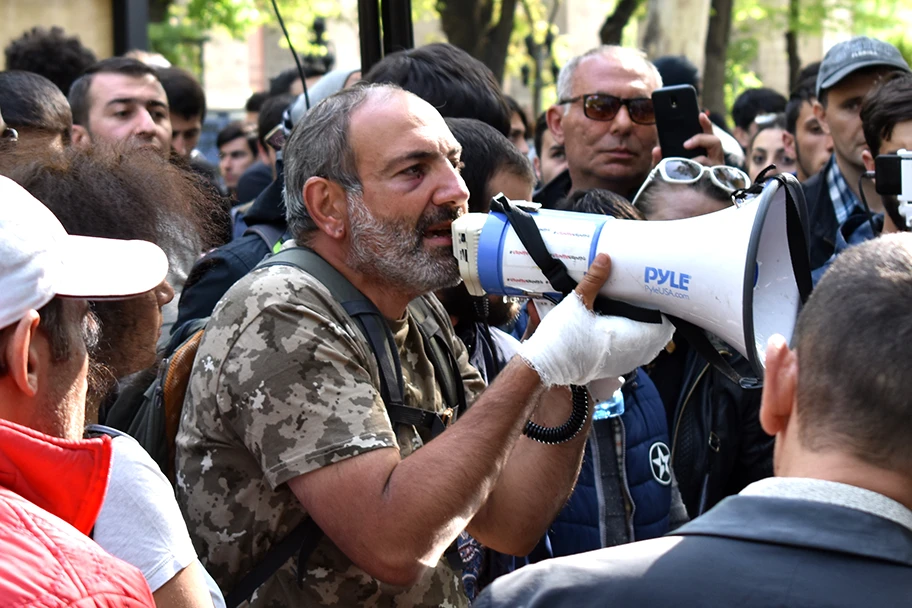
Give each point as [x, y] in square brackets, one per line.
[602, 107]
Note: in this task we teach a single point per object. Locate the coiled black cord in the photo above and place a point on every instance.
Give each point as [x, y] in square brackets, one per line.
[569, 429]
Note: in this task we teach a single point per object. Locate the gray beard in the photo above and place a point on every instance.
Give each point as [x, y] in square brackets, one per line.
[393, 253]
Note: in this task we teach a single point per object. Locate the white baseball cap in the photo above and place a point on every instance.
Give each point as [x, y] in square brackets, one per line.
[39, 260]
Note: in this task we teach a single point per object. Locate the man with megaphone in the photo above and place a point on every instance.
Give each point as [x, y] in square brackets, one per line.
[288, 418]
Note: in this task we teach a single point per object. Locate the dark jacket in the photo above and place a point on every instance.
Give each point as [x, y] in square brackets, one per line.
[822, 222]
[221, 268]
[555, 190]
[855, 230]
[749, 552]
[718, 446]
[596, 515]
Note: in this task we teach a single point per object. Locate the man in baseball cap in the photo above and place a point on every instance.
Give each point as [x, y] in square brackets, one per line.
[52, 482]
[848, 71]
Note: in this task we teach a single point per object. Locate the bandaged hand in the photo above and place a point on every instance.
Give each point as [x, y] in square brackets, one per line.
[573, 345]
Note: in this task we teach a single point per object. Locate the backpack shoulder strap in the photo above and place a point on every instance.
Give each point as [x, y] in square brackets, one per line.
[97, 430]
[173, 389]
[271, 235]
[303, 539]
[440, 352]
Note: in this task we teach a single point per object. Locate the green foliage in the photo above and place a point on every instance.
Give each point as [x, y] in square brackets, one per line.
[178, 37]
[754, 20]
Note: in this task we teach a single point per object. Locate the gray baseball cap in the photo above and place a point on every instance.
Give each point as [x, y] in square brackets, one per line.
[853, 55]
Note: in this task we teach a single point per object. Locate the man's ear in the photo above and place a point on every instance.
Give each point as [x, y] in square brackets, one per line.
[820, 112]
[780, 386]
[788, 141]
[23, 361]
[868, 159]
[81, 138]
[555, 117]
[326, 205]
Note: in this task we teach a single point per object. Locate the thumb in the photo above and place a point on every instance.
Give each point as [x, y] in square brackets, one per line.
[656, 156]
[595, 277]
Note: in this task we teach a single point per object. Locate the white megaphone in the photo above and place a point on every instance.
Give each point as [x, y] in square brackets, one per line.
[735, 273]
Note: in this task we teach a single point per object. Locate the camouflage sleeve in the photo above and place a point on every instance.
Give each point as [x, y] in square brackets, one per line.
[295, 389]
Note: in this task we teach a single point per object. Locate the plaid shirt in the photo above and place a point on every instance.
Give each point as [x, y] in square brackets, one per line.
[845, 203]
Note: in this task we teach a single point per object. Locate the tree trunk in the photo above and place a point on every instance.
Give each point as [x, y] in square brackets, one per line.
[158, 10]
[497, 40]
[717, 38]
[614, 25]
[791, 44]
[467, 24]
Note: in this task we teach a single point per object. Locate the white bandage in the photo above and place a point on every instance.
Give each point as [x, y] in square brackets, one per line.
[573, 345]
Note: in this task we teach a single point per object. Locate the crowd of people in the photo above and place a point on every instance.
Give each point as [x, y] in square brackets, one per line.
[262, 383]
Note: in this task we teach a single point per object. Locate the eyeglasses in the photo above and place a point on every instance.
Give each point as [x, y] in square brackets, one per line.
[603, 107]
[9, 134]
[676, 170]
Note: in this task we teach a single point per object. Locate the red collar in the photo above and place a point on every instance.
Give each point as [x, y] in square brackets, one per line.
[65, 477]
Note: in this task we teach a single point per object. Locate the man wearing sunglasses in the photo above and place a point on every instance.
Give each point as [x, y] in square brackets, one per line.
[605, 120]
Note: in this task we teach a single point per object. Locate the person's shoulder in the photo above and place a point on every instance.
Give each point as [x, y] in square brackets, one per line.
[60, 560]
[593, 578]
[275, 310]
[272, 286]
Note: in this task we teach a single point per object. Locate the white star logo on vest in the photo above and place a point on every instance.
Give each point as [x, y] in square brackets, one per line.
[659, 457]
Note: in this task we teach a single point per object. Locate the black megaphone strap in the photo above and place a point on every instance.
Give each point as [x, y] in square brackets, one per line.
[555, 271]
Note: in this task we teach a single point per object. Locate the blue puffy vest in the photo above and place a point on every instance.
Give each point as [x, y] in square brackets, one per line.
[596, 515]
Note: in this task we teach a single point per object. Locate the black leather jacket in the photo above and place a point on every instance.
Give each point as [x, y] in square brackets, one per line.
[718, 446]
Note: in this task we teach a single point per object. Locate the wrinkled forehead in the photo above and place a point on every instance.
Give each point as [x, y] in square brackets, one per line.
[619, 74]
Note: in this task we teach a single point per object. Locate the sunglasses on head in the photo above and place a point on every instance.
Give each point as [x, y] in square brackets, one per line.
[677, 170]
[604, 107]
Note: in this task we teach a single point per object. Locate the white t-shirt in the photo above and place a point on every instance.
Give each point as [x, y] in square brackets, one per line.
[140, 521]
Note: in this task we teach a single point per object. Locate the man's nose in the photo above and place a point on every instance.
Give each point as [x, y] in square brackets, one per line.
[622, 121]
[451, 190]
[145, 124]
[164, 293]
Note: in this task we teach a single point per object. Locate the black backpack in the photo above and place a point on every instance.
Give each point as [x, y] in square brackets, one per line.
[150, 410]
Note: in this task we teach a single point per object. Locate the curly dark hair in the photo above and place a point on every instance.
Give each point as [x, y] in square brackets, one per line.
[51, 53]
[101, 192]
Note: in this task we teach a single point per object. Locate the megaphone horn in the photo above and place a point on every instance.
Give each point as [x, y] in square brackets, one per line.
[740, 273]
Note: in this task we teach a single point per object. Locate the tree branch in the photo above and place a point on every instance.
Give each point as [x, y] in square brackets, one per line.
[614, 25]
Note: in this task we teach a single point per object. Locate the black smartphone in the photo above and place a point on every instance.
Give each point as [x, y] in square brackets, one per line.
[677, 119]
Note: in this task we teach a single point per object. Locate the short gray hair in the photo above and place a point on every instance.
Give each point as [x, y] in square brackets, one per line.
[565, 78]
[319, 146]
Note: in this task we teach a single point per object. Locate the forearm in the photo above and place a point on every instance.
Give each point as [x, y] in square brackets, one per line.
[428, 498]
[534, 485]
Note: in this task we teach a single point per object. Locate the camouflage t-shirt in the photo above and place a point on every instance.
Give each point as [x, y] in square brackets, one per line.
[284, 384]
